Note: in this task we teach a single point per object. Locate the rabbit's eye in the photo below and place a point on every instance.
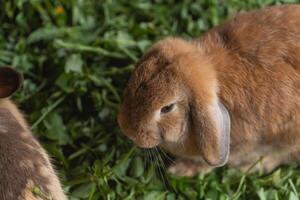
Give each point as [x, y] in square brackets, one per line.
[167, 108]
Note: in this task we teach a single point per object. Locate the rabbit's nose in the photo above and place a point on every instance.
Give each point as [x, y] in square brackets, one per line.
[145, 140]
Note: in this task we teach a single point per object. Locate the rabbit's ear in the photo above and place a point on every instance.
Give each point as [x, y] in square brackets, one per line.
[210, 118]
[10, 81]
[212, 129]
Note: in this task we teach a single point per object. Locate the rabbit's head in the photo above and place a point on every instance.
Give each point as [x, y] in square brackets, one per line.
[171, 97]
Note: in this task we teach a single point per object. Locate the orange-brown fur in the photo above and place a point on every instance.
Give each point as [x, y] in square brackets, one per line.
[250, 63]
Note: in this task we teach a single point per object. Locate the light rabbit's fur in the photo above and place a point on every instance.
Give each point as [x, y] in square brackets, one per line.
[24, 165]
[248, 67]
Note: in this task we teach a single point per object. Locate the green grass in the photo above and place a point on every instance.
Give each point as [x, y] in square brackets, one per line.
[76, 56]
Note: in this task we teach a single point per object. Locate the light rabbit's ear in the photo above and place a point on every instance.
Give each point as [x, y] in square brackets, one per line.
[10, 81]
[212, 127]
[209, 118]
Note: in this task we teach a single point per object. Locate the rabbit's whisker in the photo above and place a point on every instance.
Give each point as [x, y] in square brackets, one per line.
[159, 167]
[166, 155]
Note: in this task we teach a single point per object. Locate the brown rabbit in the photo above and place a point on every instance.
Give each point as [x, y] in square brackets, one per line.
[25, 170]
[231, 96]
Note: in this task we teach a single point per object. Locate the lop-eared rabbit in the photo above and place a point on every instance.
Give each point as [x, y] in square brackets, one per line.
[25, 170]
[231, 96]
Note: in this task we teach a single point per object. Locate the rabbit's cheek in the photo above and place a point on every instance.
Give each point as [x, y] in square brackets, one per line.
[175, 134]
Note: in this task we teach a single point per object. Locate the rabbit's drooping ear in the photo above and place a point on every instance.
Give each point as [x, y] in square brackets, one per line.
[210, 118]
[212, 129]
[10, 81]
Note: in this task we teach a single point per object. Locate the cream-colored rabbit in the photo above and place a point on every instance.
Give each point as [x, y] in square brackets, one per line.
[25, 170]
[231, 96]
